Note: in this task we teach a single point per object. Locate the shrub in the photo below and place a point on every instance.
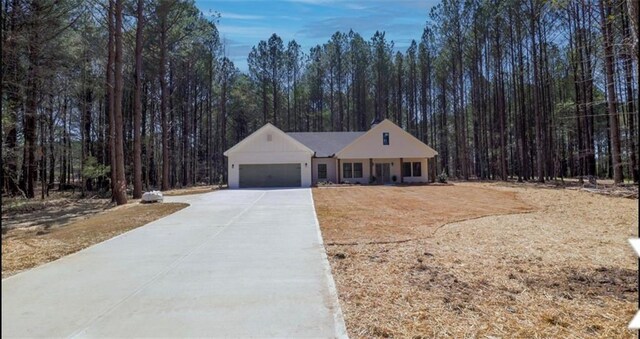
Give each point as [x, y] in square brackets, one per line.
[93, 170]
[394, 178]
[443, 177]
[372, 179]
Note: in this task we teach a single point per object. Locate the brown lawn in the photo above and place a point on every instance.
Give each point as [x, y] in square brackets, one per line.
[361, 214]
[191, 190]
[51, 238]
[564, 269]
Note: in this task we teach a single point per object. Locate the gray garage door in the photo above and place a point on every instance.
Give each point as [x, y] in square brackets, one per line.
[270, 175]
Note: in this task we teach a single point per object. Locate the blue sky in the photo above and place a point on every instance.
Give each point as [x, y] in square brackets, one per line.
[243, 23]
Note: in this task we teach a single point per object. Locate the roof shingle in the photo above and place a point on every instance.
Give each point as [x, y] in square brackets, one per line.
[325, 144]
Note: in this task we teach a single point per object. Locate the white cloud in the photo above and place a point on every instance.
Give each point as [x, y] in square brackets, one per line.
[355, 6]
[237, 16]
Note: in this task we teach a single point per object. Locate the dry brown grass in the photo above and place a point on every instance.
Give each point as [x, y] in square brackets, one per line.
[52, 212]
[191, 190]
[563, 270]
[27, 247]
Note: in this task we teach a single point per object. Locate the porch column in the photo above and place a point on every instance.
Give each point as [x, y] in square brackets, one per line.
[426, 168]
[370, 170]
[401, 174]
[338, 172]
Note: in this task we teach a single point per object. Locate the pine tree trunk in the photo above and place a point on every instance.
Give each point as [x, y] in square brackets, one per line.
[605, 12]
[137, 101]
[120, 192]
[51, 131]
[536, 100]
[111, 100]
[12, 106]
[30, 166]
[631, 107]
[163, 105]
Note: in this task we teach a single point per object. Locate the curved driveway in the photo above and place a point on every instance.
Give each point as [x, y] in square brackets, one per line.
[236, 263]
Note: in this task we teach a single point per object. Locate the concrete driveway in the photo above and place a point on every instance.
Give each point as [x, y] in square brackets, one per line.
[236, 263]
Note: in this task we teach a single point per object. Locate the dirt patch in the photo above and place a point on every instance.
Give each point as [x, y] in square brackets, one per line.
[27, 247]
[386, 214]
[563, 270]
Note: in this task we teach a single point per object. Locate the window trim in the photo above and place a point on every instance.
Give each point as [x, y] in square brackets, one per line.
[413, 169]
[325, 171]
[410, 172]
[348, 165]
[385, 139]
[353, 170]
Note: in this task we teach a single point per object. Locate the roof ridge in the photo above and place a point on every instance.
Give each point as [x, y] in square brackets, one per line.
[331, 132]
[326, 143]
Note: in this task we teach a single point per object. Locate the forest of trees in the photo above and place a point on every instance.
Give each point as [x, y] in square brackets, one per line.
[124, 96]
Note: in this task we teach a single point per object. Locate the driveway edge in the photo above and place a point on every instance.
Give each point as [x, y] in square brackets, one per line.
[338, 318]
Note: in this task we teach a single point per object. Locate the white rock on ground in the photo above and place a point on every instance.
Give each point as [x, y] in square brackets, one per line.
[153, 196]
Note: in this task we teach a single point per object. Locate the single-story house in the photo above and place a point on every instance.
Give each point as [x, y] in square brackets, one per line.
[384, 154]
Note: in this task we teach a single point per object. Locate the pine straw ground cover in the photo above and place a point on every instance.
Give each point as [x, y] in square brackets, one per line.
[27, 247]
[565, 269]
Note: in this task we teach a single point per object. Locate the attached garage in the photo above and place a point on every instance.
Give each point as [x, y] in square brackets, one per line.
[270, 175]
[269, 158]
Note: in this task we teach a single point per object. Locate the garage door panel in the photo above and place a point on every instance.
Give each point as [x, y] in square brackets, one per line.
[270, 175]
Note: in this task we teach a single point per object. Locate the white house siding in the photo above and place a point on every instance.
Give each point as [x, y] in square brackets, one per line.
[401, 144]
[332, 174]
[268, 145]
[425, 175]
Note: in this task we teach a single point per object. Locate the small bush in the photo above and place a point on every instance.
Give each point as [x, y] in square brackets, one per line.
[372, 179]
[442, 178]
[394, 178]
[93, 170]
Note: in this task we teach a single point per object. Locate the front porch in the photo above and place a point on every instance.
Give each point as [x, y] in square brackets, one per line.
[381, 171]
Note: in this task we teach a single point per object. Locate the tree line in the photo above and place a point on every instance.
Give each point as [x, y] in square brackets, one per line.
[124, 96]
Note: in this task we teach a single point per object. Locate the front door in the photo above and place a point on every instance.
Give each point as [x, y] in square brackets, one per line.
[383, 173]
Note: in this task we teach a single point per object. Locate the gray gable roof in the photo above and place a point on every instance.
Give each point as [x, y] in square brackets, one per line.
[325, 144]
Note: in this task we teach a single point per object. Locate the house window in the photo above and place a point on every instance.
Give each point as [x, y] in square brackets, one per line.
[417, 169]
[322, 171]
[406, 169]
[411, 169]
[385, 138]
[347, 170]
[357, 170]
